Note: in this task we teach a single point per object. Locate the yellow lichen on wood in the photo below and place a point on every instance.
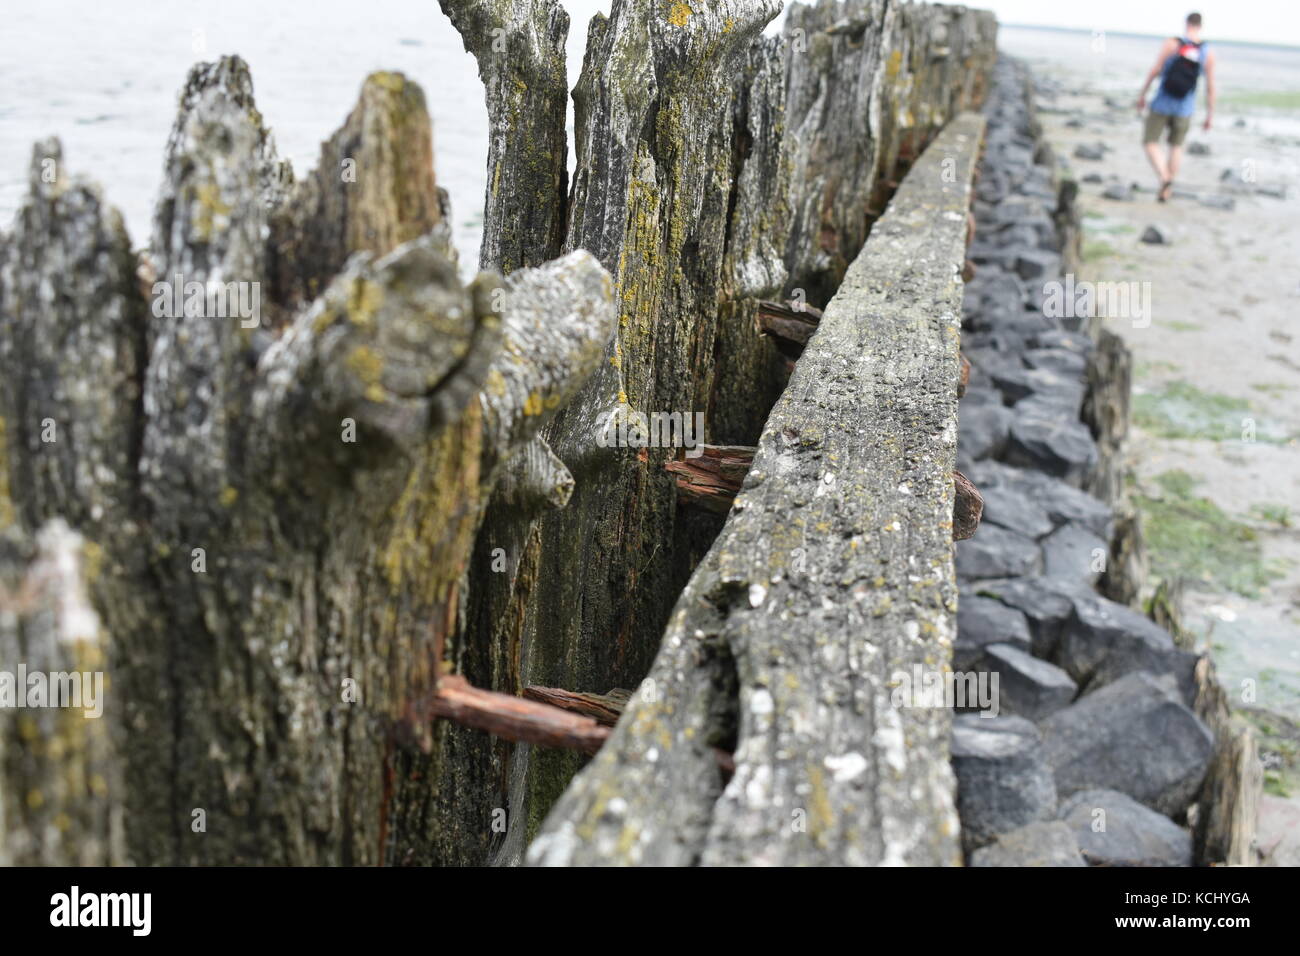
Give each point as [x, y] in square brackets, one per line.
[367, 365]
[679, 14]
[211, 206]
[431, 526]
[364, 300]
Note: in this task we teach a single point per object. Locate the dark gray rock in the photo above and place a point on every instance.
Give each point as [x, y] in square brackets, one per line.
[1273, 191]
[1064, 503]
[1154, 236]
[1094, 178]
[998, 338]
[1074, 553]
[1090, 151]
[997, 553]
[1118, 192]
[1046, 605]
[1011, 508]
[982, 430]
[1113, 829]
[1063, 404]
[1134, 735]
[982, 621]
[1061, 501]
[1019, 382]
[1003, 291]
[1003, 780]
[1030, 229]
[1038, 844]
[1216, 201]
[1064, 449]
[986, 255]
[1075, 342]
[1015, 209]
[1017, 327]
[1027, 686]
[993, 186]
[1038, 264]
[1103, 641]
[1198, 149]
[1017, 236]
[1066, 362]
[979, 395]
[990, 360]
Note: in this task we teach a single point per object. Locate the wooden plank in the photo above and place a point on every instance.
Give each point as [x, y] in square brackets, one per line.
[832, 575]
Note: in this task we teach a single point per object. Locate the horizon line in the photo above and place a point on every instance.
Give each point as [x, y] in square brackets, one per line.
[1145, 36]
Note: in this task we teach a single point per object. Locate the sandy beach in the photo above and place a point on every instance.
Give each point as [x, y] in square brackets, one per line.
[1213, 454]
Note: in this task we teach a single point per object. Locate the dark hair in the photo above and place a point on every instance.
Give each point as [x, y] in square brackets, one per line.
[1193, 19]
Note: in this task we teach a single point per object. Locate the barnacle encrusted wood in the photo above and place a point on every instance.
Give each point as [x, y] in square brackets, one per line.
[833, 573]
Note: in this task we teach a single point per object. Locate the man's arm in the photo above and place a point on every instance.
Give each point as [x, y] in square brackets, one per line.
[1166, 49]
[1209, 88]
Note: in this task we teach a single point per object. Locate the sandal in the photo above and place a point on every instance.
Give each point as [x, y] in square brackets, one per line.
[1166, 191]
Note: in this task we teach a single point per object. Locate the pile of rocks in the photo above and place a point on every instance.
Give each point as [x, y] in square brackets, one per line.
[1095, 752]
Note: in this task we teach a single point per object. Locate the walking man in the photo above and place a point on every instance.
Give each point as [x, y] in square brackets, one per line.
[1179, 66]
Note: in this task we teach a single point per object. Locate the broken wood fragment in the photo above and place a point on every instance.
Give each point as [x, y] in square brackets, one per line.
[967, 507]
[544, 716]
[790, 324]
[515, 718]
[712, 479]
[602, 708]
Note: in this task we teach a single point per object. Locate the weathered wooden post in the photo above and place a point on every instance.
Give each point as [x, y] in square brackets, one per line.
[343, 474]
[283, 515]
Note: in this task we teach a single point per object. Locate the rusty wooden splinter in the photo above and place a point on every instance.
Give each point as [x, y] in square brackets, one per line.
[579, 722]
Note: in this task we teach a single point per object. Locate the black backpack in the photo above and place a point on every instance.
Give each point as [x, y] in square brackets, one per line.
[1180, 79]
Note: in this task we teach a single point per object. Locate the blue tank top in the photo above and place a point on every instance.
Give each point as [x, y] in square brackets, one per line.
[1167, 105]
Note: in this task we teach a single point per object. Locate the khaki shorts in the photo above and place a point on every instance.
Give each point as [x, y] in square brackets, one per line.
[1157, 123]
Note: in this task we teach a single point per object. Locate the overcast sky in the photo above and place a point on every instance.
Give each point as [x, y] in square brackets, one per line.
[1260, 21]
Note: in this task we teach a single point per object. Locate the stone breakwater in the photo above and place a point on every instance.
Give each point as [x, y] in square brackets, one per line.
[1099, 753]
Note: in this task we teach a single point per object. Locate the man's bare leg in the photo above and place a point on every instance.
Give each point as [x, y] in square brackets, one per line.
[1157, 161]
[1175, 159]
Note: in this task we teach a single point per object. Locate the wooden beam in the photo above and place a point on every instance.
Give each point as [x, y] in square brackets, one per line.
[833, 573]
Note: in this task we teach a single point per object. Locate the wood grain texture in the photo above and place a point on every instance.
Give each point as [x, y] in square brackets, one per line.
[833, 573]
